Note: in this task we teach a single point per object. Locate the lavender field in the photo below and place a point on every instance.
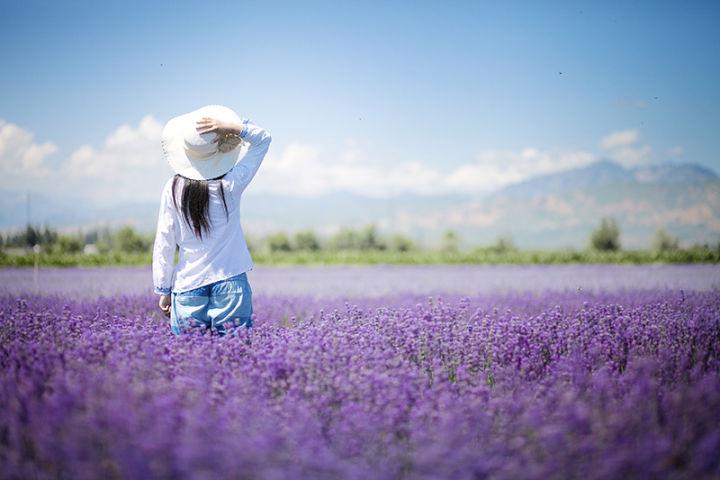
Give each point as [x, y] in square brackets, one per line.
[416, 372]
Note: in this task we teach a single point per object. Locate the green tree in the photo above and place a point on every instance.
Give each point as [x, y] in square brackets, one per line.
[104, 240]
[91, 236]
[664, 242]
[606, 236]
[279, 242]
[128, 241]
[345, 239]
[103, 246]
[370, 240]
[306, 240]
[48, 237]
[450, 242]
[69, 244]
[401, 243]
[32, 236]
[504, 244]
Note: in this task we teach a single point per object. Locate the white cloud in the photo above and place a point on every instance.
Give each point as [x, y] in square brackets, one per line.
[128, 166]
[124, 150]
[497, 169]
[621, 148]
[301, 169]
[619, 139]
[20, 157]
[632, 156]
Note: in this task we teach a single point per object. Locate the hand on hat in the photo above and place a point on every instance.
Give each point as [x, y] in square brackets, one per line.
[210, 125]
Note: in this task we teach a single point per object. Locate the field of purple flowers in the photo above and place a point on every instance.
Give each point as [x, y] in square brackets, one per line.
[553, 384]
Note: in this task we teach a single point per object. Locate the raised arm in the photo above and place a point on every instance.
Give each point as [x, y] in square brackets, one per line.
[259, 140]
[163, 263]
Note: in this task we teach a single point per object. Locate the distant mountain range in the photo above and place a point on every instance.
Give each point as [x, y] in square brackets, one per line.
[561, 209]
[549, 211]
[607, 173]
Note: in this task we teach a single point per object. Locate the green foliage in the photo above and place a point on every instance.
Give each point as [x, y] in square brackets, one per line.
[123, 241]
[664, 242]
[401, 243]
[606, 237]
[127, 241]
[279, 242]
[69, 244]
[48, 237]
[366, 238]
[306, 240]
[103, 246]
[479, 256]
[362, 247]
[504, 244]
[450, 242]
[32, 236]
[345, 239]
[370, 240]
[485, 256]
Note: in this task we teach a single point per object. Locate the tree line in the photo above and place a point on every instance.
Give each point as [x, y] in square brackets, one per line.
[102, 241]
[124, 240]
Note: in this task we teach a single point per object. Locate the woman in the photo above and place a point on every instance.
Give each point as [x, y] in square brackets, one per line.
[200, 213]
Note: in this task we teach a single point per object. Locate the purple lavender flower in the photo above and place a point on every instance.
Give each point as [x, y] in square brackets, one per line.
[503, 384]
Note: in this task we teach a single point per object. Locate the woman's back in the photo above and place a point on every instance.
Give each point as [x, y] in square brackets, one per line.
[222, 195]
[222, 251]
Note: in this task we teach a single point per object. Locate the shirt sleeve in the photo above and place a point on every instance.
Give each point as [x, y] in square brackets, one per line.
[259, 140]
[163, 263]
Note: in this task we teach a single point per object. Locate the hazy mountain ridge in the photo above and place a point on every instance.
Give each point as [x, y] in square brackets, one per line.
[560, 209]
[549, 211]
[605, 172]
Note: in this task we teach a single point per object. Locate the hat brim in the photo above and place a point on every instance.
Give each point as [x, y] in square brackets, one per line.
[181, 127]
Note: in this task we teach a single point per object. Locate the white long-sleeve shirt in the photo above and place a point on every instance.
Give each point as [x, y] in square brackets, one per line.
[223, 251]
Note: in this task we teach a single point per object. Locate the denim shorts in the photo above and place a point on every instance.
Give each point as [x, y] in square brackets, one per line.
[221, 307]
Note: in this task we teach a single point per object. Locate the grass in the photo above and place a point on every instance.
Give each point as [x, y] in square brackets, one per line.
[374, 257]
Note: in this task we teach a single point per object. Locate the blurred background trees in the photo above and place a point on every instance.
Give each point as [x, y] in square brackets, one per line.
[306, 240]
[364, 244]
[664, 242]
[278, 242]
[606, 237]
[450, 242]
[122, 240]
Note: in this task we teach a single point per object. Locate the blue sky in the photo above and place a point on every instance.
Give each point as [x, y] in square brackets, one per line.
[435, 90]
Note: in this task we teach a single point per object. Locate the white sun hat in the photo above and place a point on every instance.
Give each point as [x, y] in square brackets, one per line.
[196, 156]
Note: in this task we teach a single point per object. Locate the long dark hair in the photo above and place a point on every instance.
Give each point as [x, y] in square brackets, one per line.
[195, 202]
